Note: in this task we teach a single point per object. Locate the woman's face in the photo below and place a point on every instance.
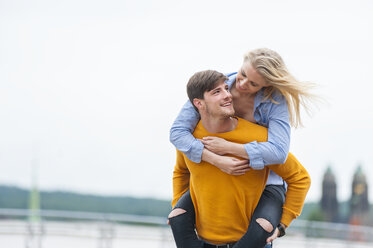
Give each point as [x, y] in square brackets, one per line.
[248, 80]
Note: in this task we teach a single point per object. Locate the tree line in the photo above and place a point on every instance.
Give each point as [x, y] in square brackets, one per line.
[18, 198]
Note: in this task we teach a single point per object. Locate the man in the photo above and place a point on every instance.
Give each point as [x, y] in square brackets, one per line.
[224, 203]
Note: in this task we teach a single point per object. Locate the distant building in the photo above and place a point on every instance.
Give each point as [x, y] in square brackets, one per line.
[329, 203]
[356, 211]
[359, 204]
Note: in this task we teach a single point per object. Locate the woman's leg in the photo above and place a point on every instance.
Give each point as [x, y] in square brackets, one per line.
[182, 222]
[266, 217]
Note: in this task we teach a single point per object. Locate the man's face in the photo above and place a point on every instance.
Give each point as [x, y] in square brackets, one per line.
[218, 102]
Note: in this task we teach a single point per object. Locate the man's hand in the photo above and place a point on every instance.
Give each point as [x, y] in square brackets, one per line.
[274, 235]
[232, 166]
[277, 233]
[216, 145]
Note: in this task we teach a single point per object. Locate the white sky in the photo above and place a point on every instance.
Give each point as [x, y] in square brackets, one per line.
[90, 88]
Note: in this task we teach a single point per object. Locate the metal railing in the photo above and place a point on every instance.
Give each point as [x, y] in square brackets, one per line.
[330, 230]
[107, 229]
[104, 228]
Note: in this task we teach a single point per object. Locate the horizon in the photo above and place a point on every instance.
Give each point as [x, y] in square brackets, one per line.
[41, 190]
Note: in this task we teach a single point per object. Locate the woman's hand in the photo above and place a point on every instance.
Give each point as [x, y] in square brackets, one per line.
[216, 145]
[229, 165]
[232, 166]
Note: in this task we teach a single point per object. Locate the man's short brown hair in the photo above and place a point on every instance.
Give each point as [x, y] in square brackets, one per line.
[203, 81]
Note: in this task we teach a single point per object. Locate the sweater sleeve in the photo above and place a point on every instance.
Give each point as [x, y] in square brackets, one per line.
[180, 179]
[299, 182]
[181, 133]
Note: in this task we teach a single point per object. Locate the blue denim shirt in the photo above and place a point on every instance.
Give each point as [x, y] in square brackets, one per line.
[266, 113]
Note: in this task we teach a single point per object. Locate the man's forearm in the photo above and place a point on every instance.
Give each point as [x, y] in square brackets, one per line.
[180, 179]
[295, 197]
[299, 182]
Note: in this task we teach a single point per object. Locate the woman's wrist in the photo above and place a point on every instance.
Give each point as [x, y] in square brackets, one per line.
[209, 157]
[237, 150]
[230, 147]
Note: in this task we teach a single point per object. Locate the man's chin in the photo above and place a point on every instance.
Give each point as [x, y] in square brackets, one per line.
[228, 111]
[229, 114]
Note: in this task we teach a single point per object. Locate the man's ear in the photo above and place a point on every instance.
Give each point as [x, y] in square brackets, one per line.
[197, 103]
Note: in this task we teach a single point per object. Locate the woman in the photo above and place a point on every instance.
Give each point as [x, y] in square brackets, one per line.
[264, 92]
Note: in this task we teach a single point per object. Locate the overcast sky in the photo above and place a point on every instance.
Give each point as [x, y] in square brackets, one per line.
[89, 89]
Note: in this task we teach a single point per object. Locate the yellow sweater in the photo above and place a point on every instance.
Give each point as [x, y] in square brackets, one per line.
[224, 203]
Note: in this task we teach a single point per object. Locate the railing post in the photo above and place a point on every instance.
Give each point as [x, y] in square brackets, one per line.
[106, 234]
[34, 234]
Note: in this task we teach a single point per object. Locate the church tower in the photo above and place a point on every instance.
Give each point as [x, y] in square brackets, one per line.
[359, 204]
[329, 203]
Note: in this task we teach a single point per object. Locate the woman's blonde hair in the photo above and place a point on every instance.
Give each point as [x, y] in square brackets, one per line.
[270, 65]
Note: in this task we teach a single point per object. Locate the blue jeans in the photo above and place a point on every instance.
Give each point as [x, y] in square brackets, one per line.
[269, 208]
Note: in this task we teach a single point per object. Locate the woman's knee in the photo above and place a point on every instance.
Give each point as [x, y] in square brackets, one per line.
[265, 224]
[176, 212]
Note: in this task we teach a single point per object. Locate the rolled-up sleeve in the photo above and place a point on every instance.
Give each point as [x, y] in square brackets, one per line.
[181, 133]
[276, 149]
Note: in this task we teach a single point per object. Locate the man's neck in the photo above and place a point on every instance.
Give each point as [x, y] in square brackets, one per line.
[219, 125]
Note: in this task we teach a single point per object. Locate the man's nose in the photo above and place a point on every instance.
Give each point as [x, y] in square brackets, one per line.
[227, 94]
